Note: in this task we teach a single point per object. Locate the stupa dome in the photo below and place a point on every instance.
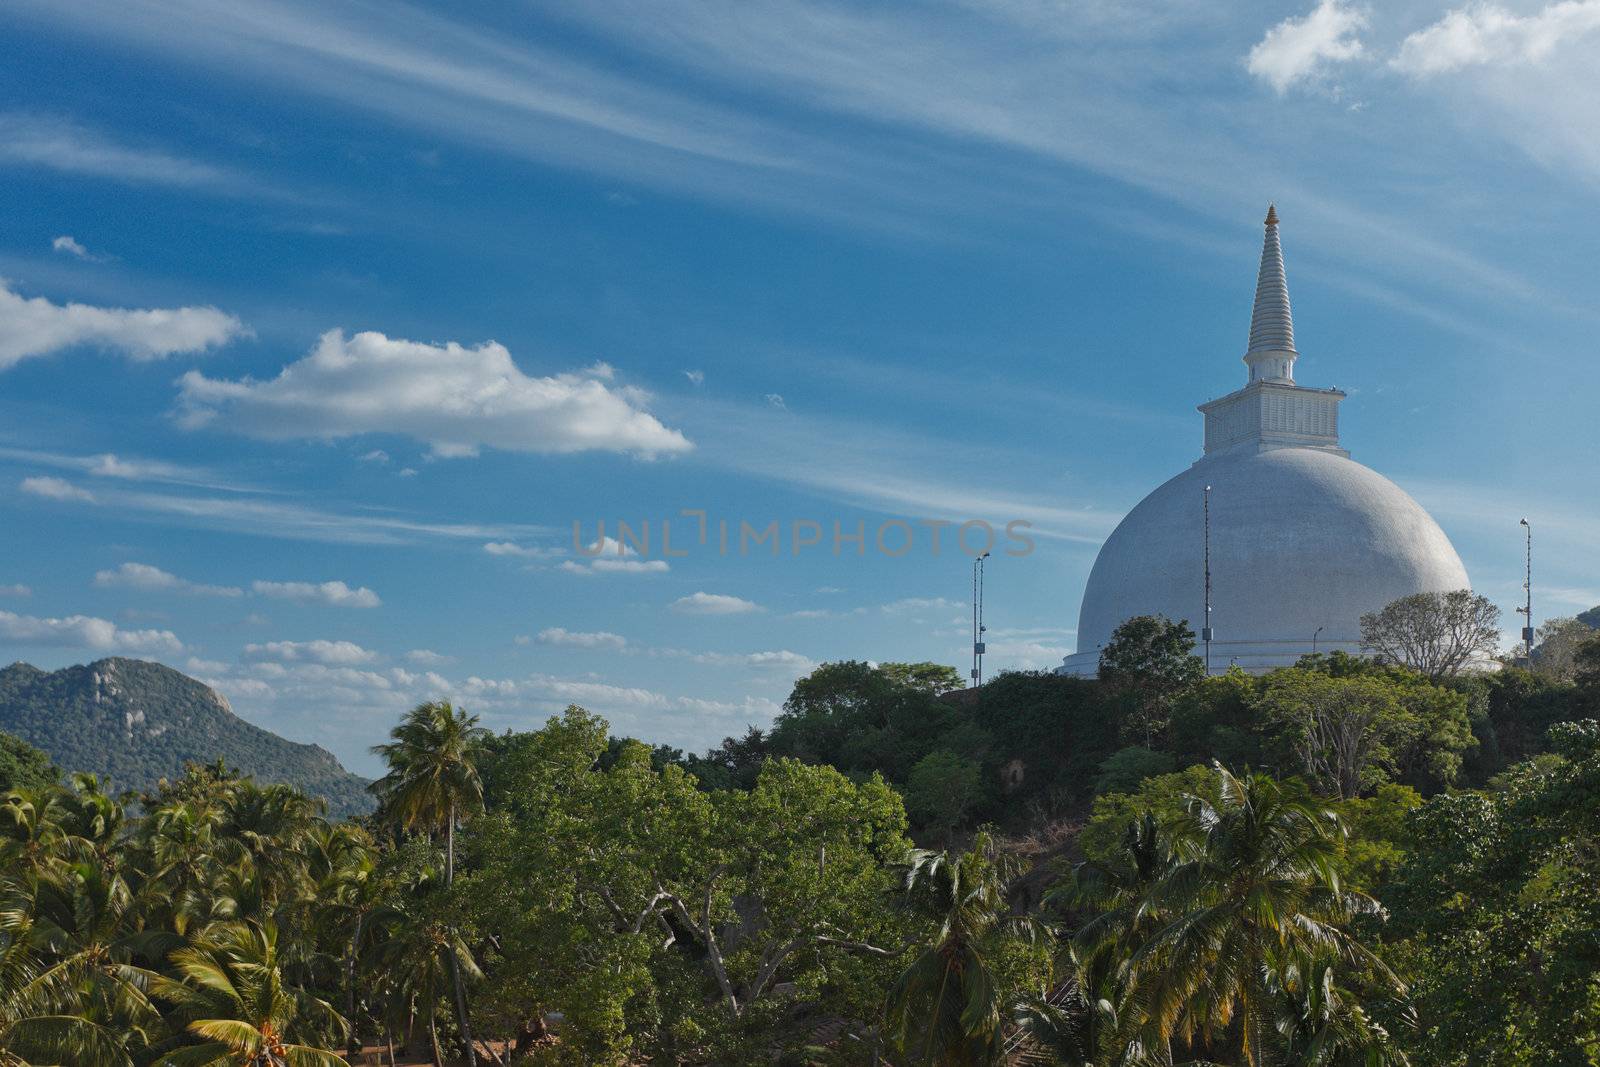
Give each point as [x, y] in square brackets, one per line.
[1302, 539]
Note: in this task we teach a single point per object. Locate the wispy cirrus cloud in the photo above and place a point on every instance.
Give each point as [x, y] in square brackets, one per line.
[881, 107]
[56, 489]
[271, 517]
[54, 142]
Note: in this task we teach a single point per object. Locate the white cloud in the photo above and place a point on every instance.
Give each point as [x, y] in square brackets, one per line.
[713, 604]
[56, 489]
[605, 565]
[336, 594]
[107, 465]
[1298, 49]
[511, 548]
[456, 399]
[144, 577]
[614, 557]
[915, 604]
[781, 660]
[555, 635]
[426, 657]
[377, 455]
[1488, 34]
[522, 639]
[84, 631]
[696, 377]
[609, 700]
[774, 400]
[18, 590]
[327, 653]
[36, 327]
[70, 245]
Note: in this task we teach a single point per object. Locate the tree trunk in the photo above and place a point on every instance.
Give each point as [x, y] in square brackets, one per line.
[433, 1039]
[350, 985]
[455, 964]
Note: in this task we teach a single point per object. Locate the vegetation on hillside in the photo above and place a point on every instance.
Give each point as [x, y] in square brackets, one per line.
[1345, 862]
[132, 723]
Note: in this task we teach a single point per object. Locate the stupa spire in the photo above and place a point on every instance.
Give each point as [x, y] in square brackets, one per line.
[1271, 354]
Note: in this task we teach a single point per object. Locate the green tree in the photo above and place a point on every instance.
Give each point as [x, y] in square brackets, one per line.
[1343, 733]
[1126, 768]
[433, 784]
[1558, 641]
[946, 1007]
[1148, 662]
[861, 717]
[663, 920]
[1438, 635]
[24, 767]
[1253, 891]
[232, 996]
[39, 1020]
[1586, 665]
[1498, 910]
[941, 789]
[934, 678]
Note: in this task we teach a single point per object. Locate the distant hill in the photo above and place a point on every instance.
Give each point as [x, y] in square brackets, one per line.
[134, 722]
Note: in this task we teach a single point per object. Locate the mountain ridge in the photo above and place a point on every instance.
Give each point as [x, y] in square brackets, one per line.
[134, 722]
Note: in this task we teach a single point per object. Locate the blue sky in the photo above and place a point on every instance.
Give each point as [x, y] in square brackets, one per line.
[322, 323]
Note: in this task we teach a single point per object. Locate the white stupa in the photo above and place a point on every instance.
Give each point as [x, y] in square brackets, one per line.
[1303, 540]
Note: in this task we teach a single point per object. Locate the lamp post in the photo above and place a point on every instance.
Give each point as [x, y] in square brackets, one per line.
[1205, 627]
[1526, 611]
[979, 646]
[1314, 640]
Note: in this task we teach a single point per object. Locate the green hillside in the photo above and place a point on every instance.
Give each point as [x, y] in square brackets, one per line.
[135, 722]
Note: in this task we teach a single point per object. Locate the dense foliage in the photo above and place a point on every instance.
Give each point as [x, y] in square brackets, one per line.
[132, 723]
[1342, 863]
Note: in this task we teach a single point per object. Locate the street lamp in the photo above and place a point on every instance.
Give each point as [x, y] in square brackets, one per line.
[1205, 627]
[1527, 593]
[1314, 640]
[979, 646]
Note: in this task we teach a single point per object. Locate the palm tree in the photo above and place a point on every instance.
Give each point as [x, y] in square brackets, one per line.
[432, 784]
[1118, 889]
[417, 954]
[1252, 890]
[39, 1022]
[88, 925]
[945, 1008]
[1323, 1024]
[349, 892]
[232, 995]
